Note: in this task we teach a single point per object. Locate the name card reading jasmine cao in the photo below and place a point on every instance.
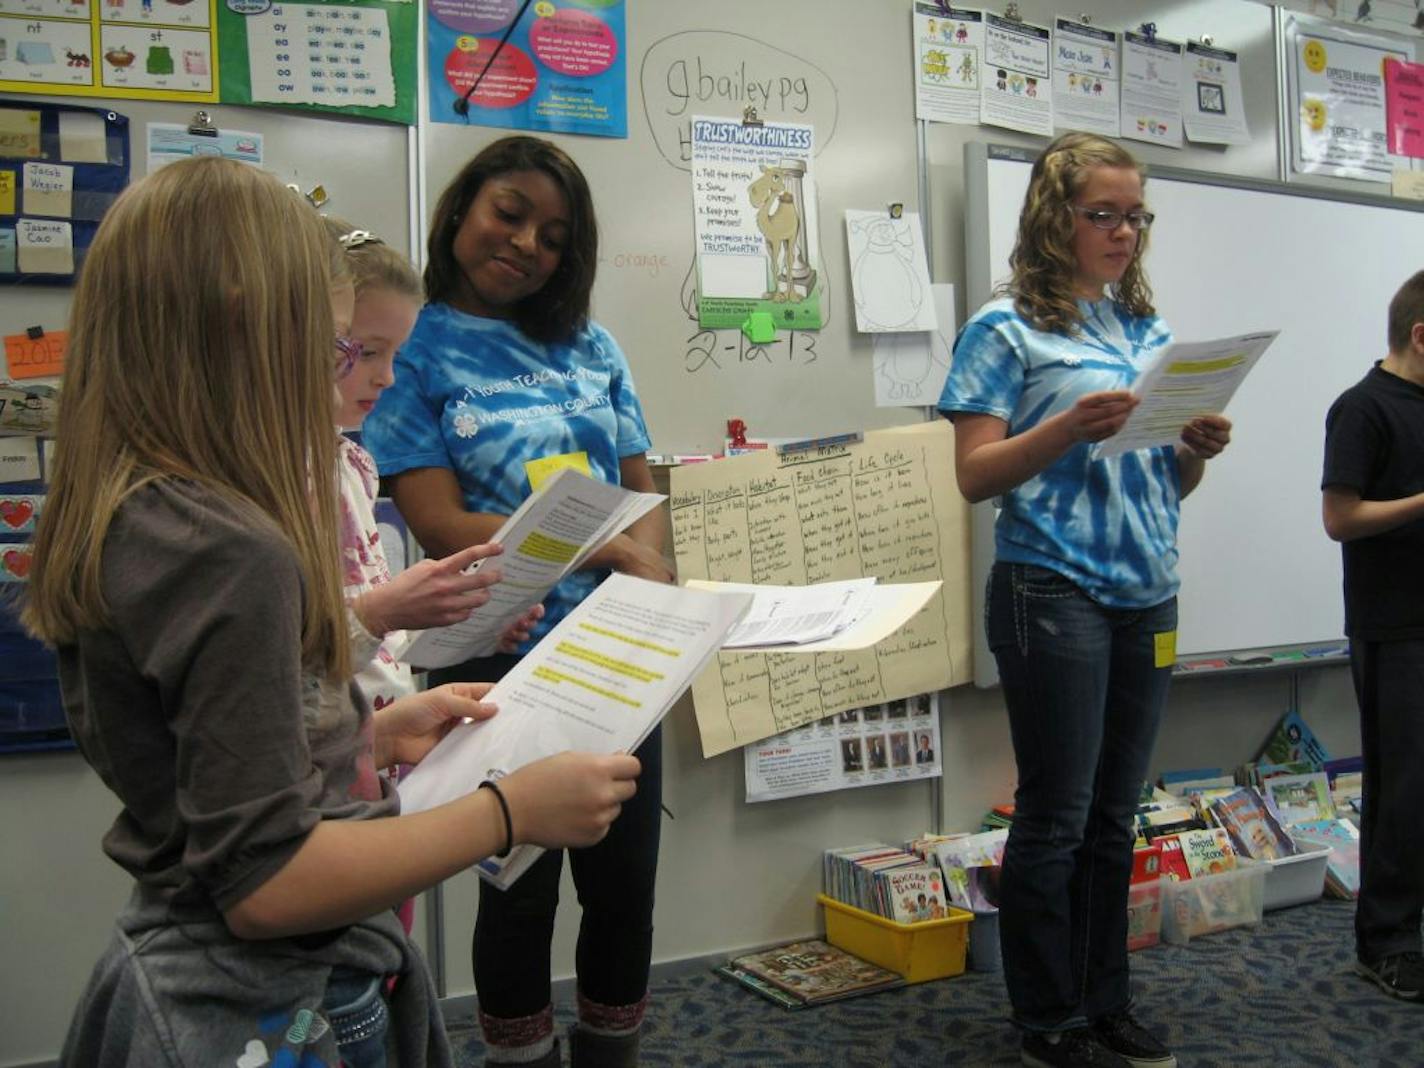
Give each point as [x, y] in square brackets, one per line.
[44, 246]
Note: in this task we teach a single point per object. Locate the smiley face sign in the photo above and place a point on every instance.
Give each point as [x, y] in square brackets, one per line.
[1314, 55]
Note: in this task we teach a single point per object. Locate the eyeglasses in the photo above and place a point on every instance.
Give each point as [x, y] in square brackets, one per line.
[1111, 220]
[348, 351]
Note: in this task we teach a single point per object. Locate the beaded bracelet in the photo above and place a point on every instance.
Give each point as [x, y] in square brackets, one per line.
[504, 807]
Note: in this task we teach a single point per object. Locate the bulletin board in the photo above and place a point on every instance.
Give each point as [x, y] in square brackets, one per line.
[60, 169]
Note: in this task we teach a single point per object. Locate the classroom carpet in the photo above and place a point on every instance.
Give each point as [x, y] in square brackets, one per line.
[1280, 993]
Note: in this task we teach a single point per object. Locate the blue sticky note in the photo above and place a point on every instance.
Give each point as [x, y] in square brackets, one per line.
[7, 251]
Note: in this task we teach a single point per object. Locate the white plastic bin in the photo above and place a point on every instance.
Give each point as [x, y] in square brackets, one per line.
[1296, 880]
[1211, 903]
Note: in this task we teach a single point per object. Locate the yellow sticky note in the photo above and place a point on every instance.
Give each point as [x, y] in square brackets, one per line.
[1164, 649]
[1408, 184]
[19, 133]
[7, 192]
[546, 467]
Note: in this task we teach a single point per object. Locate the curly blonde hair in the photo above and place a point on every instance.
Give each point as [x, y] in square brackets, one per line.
[1043, 263]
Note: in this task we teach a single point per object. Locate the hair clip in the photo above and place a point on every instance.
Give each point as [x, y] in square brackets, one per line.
[357, 238]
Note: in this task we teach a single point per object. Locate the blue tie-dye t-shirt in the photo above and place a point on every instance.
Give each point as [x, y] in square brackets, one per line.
[481, 398]
[1109, 525]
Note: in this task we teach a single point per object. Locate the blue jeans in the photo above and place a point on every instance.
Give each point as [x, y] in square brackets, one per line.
[1085, 696]
[355, 1006]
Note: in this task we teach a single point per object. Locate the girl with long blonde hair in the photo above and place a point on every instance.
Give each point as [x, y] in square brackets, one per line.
[1082, 610]
[186, 570]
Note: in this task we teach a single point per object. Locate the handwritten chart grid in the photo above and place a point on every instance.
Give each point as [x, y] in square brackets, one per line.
[886, 508]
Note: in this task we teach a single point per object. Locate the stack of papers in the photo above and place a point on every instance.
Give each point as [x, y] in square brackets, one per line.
[599, 682]
[826, 617]
[570, 517]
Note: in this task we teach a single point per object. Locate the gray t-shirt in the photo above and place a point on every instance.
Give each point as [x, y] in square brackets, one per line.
[193, 706]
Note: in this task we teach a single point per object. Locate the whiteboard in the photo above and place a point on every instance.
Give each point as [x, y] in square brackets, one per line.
[1228, 256]
[796, 66]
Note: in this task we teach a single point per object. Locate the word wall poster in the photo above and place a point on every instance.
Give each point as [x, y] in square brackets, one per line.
[354, 58]
[132, 49]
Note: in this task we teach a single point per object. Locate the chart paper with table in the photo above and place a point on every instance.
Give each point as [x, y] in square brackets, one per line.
[886, 507]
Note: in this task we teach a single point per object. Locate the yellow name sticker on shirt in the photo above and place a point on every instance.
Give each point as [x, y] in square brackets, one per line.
[1164, 649]
[546, 467]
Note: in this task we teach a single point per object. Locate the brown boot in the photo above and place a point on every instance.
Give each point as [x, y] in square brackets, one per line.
[590, 1050]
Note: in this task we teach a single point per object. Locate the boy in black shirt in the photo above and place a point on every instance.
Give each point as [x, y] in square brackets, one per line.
[1373, 490]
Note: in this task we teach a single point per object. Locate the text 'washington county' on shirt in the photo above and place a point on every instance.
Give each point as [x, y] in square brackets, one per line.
[481, 398]
[1108, 525]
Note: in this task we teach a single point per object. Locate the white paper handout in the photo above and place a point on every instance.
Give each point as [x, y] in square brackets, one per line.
[599, 682]
[1213, 109]
[552, 532]
[1151, 89]
[861, 613]
[889, 272]
[1186, 380]
[1017, 89]
[793, 615]
[1086, 65]
[949, 57]
[910, 368]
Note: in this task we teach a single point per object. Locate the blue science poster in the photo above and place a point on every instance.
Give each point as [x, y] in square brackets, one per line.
[563, 68]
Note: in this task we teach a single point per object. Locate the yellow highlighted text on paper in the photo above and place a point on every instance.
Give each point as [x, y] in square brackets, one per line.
[1205, 367]
[548, 674]
[7, 192]
[540, 546]
[608, 663]
[628, 639]
[1164, 649]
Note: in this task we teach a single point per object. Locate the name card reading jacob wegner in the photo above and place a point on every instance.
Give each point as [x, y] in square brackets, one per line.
[884, 508]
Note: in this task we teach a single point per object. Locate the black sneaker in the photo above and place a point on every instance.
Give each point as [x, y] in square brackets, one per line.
[1132, 1042]
[1078, 1048]
[1400, 976]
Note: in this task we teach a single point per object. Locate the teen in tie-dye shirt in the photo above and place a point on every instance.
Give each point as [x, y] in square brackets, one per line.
[504, 369]
[1082, 610]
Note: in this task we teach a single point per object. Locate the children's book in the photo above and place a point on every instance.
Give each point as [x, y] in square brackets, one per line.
[1193, 780]
[915, 893]
[1254, 829]
[956, 858]
[1174, 864]
[814, 972]
[1297, 798]
[1293, 740]
[1146, 863]
[1207, 852]
[1342, 869]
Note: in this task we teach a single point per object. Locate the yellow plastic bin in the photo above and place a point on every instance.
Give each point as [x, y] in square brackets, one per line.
[930, 949]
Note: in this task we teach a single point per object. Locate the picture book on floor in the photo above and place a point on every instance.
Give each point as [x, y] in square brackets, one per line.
[809, 972]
